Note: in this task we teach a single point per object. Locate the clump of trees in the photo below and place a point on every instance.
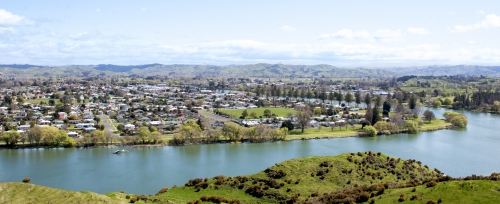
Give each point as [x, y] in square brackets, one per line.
[456, 119]
[39, 136]
[192, 133]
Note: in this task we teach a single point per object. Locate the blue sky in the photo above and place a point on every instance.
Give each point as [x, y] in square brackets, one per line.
[340, 33]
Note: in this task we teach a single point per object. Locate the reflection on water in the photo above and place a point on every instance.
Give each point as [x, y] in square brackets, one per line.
[146, 170]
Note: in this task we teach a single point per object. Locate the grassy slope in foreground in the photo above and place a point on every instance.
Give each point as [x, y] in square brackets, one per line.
[30, 193]
[305, 180]
[307, 177]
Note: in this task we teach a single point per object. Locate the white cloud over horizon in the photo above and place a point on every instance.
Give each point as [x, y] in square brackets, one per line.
[490, 21]
[98, 32]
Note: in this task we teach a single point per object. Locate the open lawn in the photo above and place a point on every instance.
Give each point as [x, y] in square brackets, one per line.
[324, 132]
[259, 111]
[435, 124]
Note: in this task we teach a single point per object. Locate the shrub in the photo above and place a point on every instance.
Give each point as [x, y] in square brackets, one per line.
[127, 197]
[431, 202]
[370, 131]
[414, 197]
[26, 180]
[431, 183]
[162, 191]
[401, 198]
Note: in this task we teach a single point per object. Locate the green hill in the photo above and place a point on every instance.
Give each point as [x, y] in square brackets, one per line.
[347, 178]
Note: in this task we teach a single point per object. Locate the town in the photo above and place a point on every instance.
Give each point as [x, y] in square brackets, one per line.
[90, 112]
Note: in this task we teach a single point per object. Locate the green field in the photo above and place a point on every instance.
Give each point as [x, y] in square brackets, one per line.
[282, 112]
[362, 177]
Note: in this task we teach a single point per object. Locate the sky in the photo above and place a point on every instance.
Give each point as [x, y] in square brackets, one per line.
[339, 33]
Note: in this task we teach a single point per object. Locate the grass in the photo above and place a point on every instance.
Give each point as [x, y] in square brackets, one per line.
[30, 193]
[449, 192]
[324, 132]
[302, 176]
[435, 124]
[282, 112]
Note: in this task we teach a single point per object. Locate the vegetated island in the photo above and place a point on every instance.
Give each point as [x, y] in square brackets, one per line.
[362, 177]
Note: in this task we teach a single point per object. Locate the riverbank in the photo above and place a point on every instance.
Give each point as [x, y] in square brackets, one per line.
[311, 133]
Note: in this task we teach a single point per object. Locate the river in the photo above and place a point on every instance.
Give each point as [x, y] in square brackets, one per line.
[146, 170]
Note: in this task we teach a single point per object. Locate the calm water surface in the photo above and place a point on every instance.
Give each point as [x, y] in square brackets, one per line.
[474, 150]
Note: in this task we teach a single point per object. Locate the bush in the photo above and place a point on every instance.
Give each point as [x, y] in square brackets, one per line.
[26, 180]
[370, 131]
[401, 198]
[431, 183]
[162, 191]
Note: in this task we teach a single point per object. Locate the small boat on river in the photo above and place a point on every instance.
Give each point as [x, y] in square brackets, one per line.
[120, 151]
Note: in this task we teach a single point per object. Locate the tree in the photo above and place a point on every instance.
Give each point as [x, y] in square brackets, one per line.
[376, 115]
[50, 135]
[381, 126]
[412, 103]
[253, 115]
[340, 97]
[35, 135]
[287, 124]
[369, 114]
[244, 114]
[303, 115]
[411, 126]
[357, 97]
[156, 137]
[459, 121]
[370, 131]
[386, 108]
[143, 133]
[368, 100]
[10, 138]
[232, 131]
[349, 98]
[267, 113]
[447, 102]
[436, 104]
[429, 115]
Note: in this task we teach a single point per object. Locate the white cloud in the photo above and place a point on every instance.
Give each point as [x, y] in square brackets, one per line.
[98, 10]
[451, 13]
[387, 35]
[287, 28]
[144, 9]
[490, 21]
[480, 11]
[419, 31]
[347, 33]
[10, 19]
[471, 42]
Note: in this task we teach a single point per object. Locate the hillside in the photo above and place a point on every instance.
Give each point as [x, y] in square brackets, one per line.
[346, 178]
[261, 70]
[252, 70]
[467, 70]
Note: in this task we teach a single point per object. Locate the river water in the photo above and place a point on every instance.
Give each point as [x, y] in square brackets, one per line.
[474, 150]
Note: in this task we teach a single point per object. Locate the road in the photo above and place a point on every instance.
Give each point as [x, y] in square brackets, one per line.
[213, 116]
[107, 124]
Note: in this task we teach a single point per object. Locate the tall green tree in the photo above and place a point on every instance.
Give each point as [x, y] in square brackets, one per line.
[368, 100]
[412, 102]
[143, 133]
[357, 97]
[340, 97]
[349, 98]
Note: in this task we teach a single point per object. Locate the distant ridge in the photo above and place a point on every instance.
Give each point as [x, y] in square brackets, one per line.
[261, 70]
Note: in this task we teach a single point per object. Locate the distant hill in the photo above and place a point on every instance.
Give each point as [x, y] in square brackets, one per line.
[261, 70]
[467, 70]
